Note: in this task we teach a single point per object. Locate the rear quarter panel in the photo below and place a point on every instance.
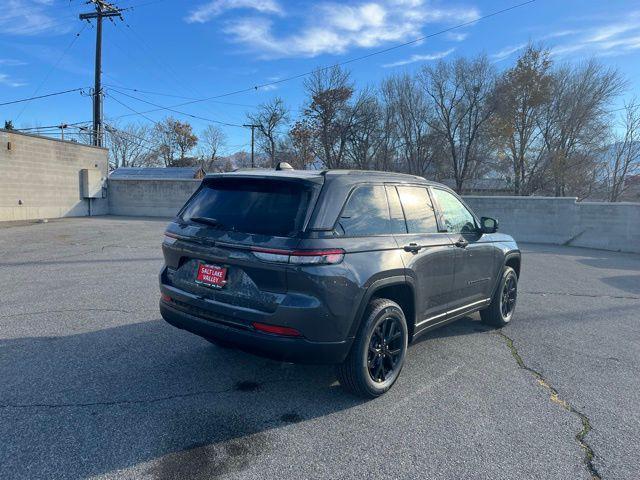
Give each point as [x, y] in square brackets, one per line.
[341, 288]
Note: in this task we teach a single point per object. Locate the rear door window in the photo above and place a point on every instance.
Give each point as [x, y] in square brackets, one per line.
[418, 210]
[258, 206]
[398, 225]
[366, 213]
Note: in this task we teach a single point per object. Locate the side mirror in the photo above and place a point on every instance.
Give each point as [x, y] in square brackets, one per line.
[489, 225]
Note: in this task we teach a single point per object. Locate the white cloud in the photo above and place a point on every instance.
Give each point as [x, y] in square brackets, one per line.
[612, 30]
[10, 62]
[507, 51]
[420, 58]
[333, 28]
[456, 36]
[558, 34]
[611, 39]
[28, 17]
[9, 82]
[214, 8]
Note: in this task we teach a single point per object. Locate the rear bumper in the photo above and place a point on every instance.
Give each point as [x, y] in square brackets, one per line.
[297, 350]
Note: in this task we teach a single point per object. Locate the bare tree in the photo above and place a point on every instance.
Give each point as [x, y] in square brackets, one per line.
[523, 91]
[175, 139]
[624, 159]
[240, 159]
[212, 140]
[130, 145]
[269, 118]
[462, 97]
[409, 113]
[330, 113]
[366, 134]
[574, 124]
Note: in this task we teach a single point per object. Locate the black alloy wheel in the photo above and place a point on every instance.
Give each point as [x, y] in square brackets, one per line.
[509, 296]
[385, 348]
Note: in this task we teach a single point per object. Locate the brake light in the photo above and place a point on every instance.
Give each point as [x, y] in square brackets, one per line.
[166, 298]
[317, 257]
[271, 255]
[300, 257]
[276, 329]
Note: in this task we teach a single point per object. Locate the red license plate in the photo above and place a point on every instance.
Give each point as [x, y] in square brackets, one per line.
[211, 275]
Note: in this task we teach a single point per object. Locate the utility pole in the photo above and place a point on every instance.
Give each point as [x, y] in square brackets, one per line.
[62, 127]
[102, 10]
[252, 127]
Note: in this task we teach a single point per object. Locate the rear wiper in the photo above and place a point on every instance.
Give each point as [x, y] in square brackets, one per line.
[207, 221]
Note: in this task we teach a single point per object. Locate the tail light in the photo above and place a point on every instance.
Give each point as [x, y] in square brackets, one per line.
[170, 238]
[276, 329]
[300, 257]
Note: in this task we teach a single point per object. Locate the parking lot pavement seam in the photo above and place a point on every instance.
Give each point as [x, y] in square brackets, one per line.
[554, 396]
[74, 310]
[569, 294]
[51, 259]
[111, 403]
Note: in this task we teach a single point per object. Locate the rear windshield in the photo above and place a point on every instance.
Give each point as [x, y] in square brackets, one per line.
[265, 207]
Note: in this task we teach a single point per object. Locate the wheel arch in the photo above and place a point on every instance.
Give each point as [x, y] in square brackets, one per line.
[400, 289]
[513, 260]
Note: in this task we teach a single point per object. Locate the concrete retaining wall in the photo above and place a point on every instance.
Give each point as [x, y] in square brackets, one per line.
[149, 197]
[40, 177]
[563, 221]
[608, 226]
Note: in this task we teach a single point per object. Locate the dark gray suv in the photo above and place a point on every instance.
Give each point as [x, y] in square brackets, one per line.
[342, 267]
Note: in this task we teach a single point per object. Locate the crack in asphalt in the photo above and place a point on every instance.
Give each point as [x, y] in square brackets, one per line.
[162, 398]
[554, 396]
[116, 402]
[588, 295]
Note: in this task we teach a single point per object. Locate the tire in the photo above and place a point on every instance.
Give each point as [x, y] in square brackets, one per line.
[500, 312]
[381, 344]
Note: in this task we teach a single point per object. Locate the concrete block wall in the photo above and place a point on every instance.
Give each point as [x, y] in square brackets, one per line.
[564, 221]
[40, 177]
[149, 197]
[559, 221]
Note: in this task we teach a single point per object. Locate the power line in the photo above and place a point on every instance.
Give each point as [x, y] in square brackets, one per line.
[355, 59]
[41, 96]
[110, 128]
[147, 56]
[50, 126]
[144, 4]
[161, 94]
[55, 65]
[300, 75]
[129, 108]
[166, 67]
[170, 109]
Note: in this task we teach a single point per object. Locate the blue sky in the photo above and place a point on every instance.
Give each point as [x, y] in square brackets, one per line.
[201, 48]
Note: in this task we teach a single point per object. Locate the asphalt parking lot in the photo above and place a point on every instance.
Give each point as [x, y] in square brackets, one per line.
[94, 384]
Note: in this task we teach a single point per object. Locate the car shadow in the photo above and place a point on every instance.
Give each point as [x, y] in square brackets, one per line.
[611, 260]
[98, 402]
[627, 283]
[144, 395]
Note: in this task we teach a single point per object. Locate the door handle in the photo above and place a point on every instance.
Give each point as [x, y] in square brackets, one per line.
[461, 243]
[412, 247]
